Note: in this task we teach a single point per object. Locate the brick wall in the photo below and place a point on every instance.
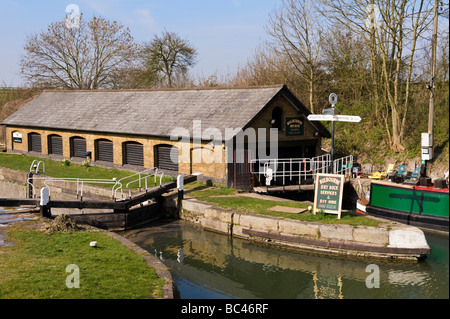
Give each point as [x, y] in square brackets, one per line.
[208, 167]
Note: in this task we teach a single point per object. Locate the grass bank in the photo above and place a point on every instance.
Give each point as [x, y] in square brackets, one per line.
[35, 266]
[261, 206]
[66, 169]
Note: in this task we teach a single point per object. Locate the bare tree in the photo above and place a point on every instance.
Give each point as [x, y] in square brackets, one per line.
[264, 67]
[84, 57]
[297, 34]
[347, 62]
[392, 29]
[169, 57]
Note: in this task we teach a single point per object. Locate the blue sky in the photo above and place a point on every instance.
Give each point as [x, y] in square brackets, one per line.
[225, 32]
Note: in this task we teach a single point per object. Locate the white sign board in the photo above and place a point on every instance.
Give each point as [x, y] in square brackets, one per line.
[348, 118]
[427, 140]
[427, 146]
[17, 137]
[335, 118]
[321, 117]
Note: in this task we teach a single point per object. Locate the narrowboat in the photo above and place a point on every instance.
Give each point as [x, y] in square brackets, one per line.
[415, 205]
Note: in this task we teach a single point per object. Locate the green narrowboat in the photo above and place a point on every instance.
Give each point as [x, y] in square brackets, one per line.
[419, 206]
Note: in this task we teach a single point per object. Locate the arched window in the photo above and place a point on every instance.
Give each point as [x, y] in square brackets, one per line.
[34, 142]
[277, 118]
[104, 150]
[77, 147]
[133, 153]
[55, 144]
[166, 157]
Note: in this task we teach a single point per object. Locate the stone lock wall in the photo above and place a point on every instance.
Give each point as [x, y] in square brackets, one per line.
[396, 241]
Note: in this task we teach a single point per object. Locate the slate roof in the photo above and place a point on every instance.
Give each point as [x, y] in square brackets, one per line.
[144, 112]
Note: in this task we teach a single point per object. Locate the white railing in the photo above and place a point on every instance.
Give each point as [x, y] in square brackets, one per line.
[321, 164]
[141, 177]
[290, 170]
[294, 171]
[79, 181]
[34, 167]
[343, 166]
[145, 178]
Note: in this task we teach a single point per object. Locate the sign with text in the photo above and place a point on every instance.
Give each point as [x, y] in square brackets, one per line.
[334, 118]
[17, 137]
[294, 126]
[328, 193]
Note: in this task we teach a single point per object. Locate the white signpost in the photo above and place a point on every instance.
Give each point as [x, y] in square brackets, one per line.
[336, 118]
[330, 116]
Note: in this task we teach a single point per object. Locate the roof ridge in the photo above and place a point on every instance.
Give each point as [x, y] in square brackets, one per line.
[280, 86]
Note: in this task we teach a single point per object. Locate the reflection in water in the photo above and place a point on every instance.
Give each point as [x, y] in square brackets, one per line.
[180, 255]
[325, 288]
[210, 265]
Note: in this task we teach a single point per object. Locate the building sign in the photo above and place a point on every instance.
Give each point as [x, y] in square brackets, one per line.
[328, 193]
[294, 126]
[17, 137]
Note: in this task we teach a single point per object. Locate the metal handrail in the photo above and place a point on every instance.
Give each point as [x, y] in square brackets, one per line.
[287, 169]
[155, 174]
[119, 185]
[36, 166]
[301, 168]
[80, 183]
[343, 165]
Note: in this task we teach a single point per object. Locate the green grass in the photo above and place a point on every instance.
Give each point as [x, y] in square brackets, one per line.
[55, 168]
[261, 206]
[35, 267]
[205, 191]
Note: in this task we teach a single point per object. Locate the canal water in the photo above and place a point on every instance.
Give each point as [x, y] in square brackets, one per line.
[207, 265]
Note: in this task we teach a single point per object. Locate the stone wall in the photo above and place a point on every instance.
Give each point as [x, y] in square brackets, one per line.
[210, 166]
[13, 184]
[393, 241]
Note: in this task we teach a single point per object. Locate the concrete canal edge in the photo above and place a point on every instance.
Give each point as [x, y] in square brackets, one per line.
[396, 241]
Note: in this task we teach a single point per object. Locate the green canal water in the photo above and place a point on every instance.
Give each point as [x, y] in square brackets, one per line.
[207, 265]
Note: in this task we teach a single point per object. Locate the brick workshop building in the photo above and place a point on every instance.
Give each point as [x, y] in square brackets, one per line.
[132, 128]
